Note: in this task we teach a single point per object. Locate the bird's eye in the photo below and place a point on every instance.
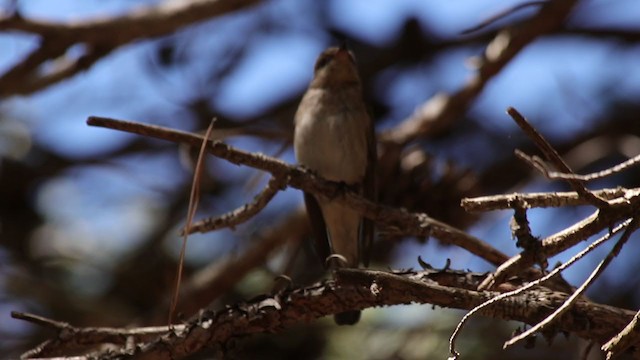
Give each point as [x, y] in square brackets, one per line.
[322, 61]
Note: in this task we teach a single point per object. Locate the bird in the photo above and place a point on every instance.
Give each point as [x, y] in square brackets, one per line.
[334, 138]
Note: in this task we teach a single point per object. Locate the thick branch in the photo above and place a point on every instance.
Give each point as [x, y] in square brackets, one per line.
[360, 289]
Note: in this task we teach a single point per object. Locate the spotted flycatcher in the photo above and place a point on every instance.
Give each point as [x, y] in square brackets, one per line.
[334, 137]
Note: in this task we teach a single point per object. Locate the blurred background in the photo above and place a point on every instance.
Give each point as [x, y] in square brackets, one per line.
[89, 217]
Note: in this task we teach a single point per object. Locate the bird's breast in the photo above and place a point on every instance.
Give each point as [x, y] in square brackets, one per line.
[330, 135]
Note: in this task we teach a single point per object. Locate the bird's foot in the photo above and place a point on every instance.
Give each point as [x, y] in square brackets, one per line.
[335, 261]
[343, 188]
[281, 283]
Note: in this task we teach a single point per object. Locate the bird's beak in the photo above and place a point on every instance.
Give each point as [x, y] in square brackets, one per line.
[343, 51]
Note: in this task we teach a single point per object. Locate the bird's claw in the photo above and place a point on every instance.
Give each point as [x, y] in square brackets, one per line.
[281, 283]
[335, 261]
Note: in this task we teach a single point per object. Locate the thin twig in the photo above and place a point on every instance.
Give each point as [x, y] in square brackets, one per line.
[534, 161]
[572, 299]
[241, 214]
[454, 354]
[502, 14]
[552, 155]
[521, 231]
[64, 70]
[76, 337]
[216, 279]
[564, 239]
[39, 320]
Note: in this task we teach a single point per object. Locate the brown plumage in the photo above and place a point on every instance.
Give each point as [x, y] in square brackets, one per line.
[334, 137]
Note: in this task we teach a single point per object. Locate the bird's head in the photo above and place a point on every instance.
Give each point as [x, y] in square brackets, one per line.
[336, 66]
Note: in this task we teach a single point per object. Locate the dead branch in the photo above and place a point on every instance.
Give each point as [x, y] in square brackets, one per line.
[567, 238]
[626, 338]
[535, 162]
[610, 212]
[216, 279]
[241, 214]
[359, 289]
[563, 240]
[579, 291]
[543, 200]
[552, 155]
[538, 282]
[70, 338]
[419, 225]
[410, 224]
[501, 15]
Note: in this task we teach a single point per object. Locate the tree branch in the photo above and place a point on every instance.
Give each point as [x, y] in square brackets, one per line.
[542, 200]
[100, 36]
[360, 289]
[241, 214]
[410, 224]
[442, 109]
[552, 155]
[216, 279]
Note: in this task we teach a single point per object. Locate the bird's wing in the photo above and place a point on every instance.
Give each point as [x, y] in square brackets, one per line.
[318, 227]
[369, 191]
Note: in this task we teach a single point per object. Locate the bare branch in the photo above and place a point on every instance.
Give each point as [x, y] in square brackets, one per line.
[542, 200]
[216, 279]
[552, 155]
[194, 199]
[39, 320]
[241, 214]
[147, 21]
[574, 297]
[410, 224]
[562, 240]
[71, 338]
[501, 15]
[360, 289]
[534, 162]
[610, 212]
[624, 339]
[538, 282]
